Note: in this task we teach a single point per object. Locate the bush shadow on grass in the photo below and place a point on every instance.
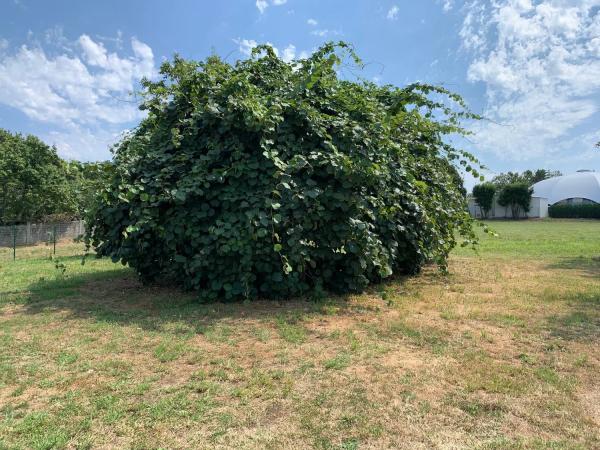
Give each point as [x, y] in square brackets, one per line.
[582, 321]
[117, 297]
[587, 266]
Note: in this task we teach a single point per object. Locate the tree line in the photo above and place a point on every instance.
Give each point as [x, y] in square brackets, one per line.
[511, 189]
[37, 185]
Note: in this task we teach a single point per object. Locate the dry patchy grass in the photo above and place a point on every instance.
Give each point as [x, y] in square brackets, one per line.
[502, 353]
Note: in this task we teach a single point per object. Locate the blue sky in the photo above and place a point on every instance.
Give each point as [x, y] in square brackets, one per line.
[531, 67]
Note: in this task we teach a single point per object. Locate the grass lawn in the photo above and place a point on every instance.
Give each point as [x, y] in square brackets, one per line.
[502, 353]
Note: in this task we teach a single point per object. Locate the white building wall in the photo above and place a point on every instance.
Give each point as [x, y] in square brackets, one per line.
[538, 209]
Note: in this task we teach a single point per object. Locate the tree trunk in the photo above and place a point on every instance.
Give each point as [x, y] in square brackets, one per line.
[515, 211]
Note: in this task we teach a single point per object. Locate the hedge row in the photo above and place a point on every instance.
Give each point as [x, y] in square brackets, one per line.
[582, 211]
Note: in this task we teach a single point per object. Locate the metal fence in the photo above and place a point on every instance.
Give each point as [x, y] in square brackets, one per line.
[35, 233]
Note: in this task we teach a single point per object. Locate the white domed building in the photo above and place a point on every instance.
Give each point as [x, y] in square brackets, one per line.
[582, 187]
[578, 188]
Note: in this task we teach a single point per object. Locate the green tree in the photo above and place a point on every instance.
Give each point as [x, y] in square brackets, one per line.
[528, 177]
[33, 183]
[273, 179]
[517, 196]
[85, 180]
[484, 196]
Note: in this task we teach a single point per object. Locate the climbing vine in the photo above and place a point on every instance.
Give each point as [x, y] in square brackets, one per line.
[267, 178]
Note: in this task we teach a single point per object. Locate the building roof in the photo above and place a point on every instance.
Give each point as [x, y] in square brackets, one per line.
[583, 184]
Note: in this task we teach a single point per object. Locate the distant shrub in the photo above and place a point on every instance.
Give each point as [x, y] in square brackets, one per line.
[517, 196]
[484, 196]
[582, 211]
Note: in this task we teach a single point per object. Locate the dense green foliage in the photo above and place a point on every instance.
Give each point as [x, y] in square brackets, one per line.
[528, 177]
[273, 179]
[484, 196]
[85, 180]
[33, 182]
[37, 185]
[517, 196]
[579, 211]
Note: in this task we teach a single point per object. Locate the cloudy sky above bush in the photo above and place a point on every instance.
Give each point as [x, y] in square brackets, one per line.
[69, 70]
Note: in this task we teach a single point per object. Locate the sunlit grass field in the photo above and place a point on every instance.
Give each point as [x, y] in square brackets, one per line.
[502, 353]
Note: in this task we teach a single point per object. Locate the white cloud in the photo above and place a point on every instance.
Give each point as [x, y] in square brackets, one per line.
[262, 5]
[448, 5]
[117, 40]
[475, 27]
[54, 36]
[85, 144]
[81, 87]
[312, 22]
[540, 67]
[325, 32]
[392, 13]
[246, 45]
[95, 54]
[288, 54]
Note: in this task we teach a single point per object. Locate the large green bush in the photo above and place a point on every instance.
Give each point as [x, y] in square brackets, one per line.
[272, 179]
[580, 211]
